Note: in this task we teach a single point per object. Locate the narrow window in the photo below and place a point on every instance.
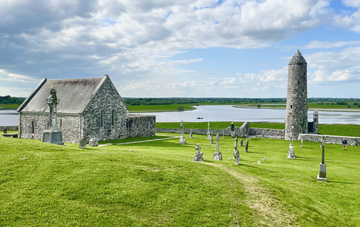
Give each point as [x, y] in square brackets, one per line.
[290, 106]
[113, 118]
[60, 123]
[32, 127]
[102, 118]
[48, 125]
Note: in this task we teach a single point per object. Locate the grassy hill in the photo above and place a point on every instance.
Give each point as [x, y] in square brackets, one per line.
[157, 183]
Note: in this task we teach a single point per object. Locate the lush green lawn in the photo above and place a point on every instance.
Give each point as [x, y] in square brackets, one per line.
[157, 183]
[333, 129]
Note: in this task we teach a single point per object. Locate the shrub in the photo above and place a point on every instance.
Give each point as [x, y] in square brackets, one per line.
[181, 108]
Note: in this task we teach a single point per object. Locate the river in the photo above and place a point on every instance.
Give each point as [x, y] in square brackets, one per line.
[223, 113]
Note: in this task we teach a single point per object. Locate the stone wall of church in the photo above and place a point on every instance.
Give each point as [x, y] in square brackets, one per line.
[106, 104]
[69, 125]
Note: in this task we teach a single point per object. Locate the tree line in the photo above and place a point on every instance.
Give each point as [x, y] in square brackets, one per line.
[10, 100]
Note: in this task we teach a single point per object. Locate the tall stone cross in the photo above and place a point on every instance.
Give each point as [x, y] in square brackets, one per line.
[53, 102]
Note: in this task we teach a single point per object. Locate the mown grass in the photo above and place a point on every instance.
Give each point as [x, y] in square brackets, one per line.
[331, 129]
[157, 183]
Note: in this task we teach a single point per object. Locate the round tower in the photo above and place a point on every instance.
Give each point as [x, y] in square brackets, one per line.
[296, 121]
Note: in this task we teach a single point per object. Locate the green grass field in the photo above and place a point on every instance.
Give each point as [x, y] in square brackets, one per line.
[333, 129]
[157, 183]
[9, 106]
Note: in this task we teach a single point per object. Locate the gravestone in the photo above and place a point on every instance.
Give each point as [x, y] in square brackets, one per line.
[301, 143]
[264, 159]
[212, 139]
[236, 152]
[83, 142]
[246, 145]
[217, 155]
[241, 142]
[199, 155]
[291, 154]
[191, 134]
[235, 146]
[182, 137]
[322, 172]
[53, 135]
[208, 132]
[5, 130]
[93, 142]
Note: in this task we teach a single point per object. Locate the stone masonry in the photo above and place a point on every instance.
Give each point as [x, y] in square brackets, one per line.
[296, 104]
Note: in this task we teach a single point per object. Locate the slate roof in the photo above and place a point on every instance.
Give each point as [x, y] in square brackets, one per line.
[297, 58]
[74, 95]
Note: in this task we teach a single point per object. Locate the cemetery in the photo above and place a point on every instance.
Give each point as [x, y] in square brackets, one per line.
[109, 168]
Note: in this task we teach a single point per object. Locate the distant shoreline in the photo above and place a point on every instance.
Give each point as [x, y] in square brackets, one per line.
[310, 109]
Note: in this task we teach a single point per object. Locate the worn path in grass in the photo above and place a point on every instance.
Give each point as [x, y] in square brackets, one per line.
[142, 141]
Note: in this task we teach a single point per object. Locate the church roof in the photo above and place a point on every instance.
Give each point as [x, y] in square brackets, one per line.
[74, 95]
[297, 58]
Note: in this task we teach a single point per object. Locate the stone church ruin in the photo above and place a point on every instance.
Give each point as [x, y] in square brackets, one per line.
[90, 108]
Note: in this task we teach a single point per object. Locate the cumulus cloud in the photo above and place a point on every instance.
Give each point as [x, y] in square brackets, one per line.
[334, 67]
[132, 40]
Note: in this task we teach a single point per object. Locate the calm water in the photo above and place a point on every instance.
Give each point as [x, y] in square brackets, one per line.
[223, 113]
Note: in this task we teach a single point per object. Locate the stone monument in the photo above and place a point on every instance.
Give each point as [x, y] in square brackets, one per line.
[199, 155]
[301, 143]
[212, 139]
[232, 130]
[246, 146]
[93, 142]
[5, 130]
[322, 172]
[182, 137]
[83, 142]
[53, 135]
[191, 136]
[217, 155]
[316, 122]
[236, 152]
[208, 132]
[241, 142]
[296, 121]
[291, 154]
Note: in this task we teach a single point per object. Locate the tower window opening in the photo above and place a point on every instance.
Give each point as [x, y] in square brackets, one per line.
[290, 106]
[298, 82]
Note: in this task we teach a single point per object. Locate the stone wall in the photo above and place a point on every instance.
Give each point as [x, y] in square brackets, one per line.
[69, 125]
[106, 100]
[141, 125]
[243, 131]
[353, 141]
[267, 133]
[9, 128]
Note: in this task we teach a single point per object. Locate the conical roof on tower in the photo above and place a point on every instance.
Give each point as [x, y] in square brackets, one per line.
[297, 58]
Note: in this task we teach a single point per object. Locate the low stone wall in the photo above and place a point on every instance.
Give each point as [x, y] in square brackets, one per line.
[267, 133]
[141, 125]
[9, 128]
[352, 141]
[240, 132]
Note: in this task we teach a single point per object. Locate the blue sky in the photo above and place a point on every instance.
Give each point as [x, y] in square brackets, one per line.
[188, 48]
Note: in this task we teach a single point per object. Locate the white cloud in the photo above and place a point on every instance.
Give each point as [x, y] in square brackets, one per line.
[330, 67]
[326, 45]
